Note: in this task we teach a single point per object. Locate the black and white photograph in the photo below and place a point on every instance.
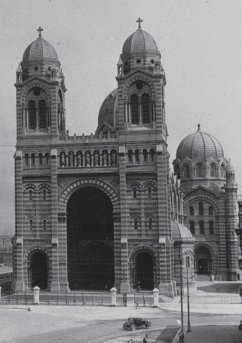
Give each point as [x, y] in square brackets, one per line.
[121, 171]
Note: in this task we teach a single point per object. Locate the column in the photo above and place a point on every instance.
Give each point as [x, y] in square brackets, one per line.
[55, 284]
[124, 285]
[19, 284]
[63, 261]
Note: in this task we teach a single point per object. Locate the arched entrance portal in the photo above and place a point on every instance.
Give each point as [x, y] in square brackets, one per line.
[39, 270]
[203, 260]
[90, 240]
[144, 271]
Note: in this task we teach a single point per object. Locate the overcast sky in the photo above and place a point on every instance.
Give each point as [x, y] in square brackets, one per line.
[201, 48]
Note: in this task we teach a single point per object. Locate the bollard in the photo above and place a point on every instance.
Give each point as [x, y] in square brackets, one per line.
[156, 297]
[113, 296]
[36, 295]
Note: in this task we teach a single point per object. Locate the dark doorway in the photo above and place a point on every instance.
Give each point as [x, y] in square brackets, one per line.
[39, 270]
[144, 274]
[203, 260]
[90, 240]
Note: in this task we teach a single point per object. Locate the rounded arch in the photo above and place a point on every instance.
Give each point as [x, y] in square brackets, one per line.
[205, 197]
[138, 78]
[38, 84]
[103, 186]
[204, 257]
[37, 260]
[143, 267]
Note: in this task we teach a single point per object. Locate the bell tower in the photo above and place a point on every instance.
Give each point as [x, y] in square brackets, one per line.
[40, 93]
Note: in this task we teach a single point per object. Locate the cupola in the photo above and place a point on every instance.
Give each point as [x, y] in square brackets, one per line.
[140, 51]
[40, 58]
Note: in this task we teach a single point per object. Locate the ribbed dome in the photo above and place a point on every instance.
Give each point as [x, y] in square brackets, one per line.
[199, 145]
[139, 41]
[180, 232]
[108, 109]
[40, 50]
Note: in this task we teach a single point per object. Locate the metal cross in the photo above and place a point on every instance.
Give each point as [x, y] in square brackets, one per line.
[39, 30]
[139, 20]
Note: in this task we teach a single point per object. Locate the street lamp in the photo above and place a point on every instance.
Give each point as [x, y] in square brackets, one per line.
[181, 291]
[188, 297]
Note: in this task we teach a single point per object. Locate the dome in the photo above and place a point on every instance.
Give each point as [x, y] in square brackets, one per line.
[180, 232]
[139, 41]
[230, 168]
[40, 50]
[108, 109]
[199, 145]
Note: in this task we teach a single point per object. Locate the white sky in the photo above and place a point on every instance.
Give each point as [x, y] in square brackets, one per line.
[201, 47]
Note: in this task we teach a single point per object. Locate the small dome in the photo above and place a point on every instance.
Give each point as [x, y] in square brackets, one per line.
[139, 41]
[108, 109]
[230, 168]
[40, 50]
[199, 145]
[180, 232]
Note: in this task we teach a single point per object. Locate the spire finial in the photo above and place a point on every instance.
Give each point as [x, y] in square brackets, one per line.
[39, 30]
[198, 127]
[139, 21]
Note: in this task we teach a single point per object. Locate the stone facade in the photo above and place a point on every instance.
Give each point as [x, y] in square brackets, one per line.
[97, 211]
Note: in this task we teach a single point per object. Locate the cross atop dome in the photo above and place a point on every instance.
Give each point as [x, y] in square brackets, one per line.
[139, 21]
[39, 30]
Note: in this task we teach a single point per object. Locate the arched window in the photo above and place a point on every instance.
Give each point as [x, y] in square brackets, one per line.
[44, 194]
[31, 224]
[42, 114]
[192, 227]
[223, 172]
[134, 192]
[30, 194]
[213, 170]
[32, 115]
[201, 227]
[145, 103]
[32, 160]
[211, 227]
[186, 171]
[145, 155]
[149, 192]
[47, 158]
[136, 223]
[136, 154]
[191, 210]
[79, 159]
[200, 170]
[152, 154]
[40, 159]
[62, 159]
[200, 208]
[134, 109]
[130, 154]
[71, 159]
[44, 224]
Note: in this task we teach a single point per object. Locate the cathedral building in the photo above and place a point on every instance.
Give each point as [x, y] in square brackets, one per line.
[103, 210]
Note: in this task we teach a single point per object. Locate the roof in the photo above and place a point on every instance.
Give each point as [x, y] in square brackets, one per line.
[199, 145]
[180, 232]
[40, 50]
[139, 41]
[108, 109]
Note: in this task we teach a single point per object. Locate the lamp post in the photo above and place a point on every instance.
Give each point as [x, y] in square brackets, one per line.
[181, 291]
[188, 297]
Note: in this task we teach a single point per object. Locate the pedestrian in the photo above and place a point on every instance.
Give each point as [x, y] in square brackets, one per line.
[130, 340]
[145, 339]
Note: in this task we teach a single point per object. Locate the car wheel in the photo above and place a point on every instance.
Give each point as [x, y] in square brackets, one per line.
[132, 327]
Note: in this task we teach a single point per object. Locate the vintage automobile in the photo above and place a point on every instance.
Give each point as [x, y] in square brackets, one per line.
[136, 323]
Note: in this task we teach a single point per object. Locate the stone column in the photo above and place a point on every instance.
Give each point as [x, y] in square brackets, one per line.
[36, 295]
[55, 284]
[113, 296]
